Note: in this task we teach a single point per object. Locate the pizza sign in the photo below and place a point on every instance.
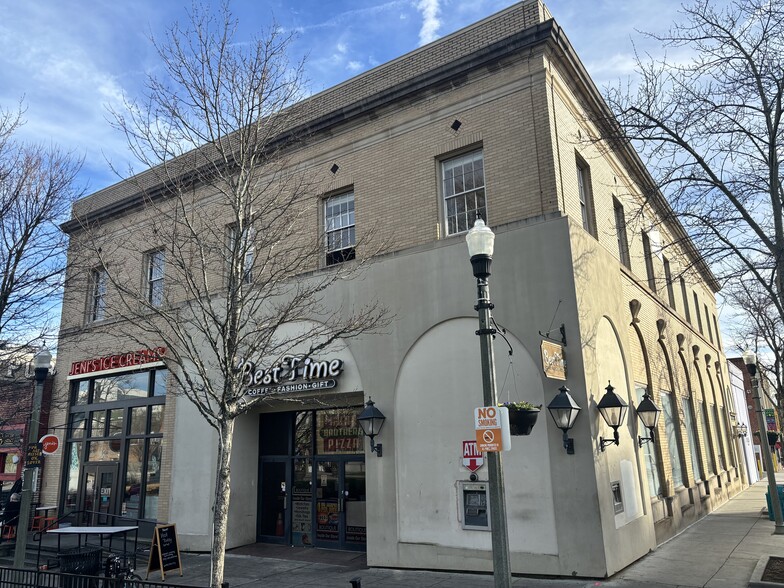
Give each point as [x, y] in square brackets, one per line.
[473, 459]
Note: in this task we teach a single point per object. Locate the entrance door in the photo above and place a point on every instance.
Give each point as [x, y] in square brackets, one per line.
[273, 525]
[340, 514]
[98, 500]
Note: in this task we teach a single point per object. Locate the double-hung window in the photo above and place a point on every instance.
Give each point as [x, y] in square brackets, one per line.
[646, 248]
[585, 193]
[464, 191]
[98, 282]
[339, 229]
[155, 269]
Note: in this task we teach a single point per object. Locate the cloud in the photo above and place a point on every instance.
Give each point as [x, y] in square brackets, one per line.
[354, 66]
[430, 21]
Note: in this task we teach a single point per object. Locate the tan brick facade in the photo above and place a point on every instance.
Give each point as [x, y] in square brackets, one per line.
[512, 82]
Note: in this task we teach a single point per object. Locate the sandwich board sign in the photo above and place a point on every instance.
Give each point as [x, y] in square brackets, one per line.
[164, 551]
[491, 424]
[473, 459]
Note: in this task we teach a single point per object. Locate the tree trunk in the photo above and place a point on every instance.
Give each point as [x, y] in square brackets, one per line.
[222, 496]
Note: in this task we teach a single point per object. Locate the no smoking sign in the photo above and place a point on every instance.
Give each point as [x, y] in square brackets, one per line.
[491, 424]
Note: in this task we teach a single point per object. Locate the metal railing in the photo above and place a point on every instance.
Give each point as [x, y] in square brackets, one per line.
[14, 578]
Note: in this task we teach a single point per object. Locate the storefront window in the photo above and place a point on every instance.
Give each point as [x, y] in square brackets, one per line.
[82, 393]
[670, 429]
[98, 423]
[303, 434]
[103, 451]
[133, 479]
[74, 453]
[156, 418]
[10, 466]
[138, 420]
[116, 419]
[124, 387]
[338, 432]
[77, 425]
[649, 454]
[153, 485]
[159, 385]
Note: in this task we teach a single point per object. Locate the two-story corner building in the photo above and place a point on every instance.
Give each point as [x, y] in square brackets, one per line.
[493, 119]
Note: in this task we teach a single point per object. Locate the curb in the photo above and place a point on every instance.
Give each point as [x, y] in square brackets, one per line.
[756, 577]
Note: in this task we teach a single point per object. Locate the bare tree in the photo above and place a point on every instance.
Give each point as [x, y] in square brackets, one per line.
[709, 127]
[225, 232]
[37, 187]
[759, 326]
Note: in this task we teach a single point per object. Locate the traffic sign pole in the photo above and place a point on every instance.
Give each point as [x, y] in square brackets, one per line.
[502, 572]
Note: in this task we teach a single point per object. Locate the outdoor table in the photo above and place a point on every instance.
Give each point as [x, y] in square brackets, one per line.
[42, 518]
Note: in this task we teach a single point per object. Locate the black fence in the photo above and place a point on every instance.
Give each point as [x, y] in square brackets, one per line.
[13, 578]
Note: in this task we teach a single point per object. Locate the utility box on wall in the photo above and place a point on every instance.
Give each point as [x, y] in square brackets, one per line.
[474, 505]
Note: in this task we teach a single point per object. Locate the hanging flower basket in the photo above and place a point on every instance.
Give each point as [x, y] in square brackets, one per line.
[522, 417]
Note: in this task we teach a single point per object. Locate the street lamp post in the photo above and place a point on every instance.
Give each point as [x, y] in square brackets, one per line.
[480, 241]
[43, 361]
[750, 359]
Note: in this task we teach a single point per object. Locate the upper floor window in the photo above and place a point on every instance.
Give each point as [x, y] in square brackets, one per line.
[155, 265]
[620, 229]
[585, 193]
[685, 301]
[246, 252]
[339, 228]
[464, 191]
[646, 247]
[98, 282]
[668, 280]
[716, 327]
[708, 324]
[697, 312]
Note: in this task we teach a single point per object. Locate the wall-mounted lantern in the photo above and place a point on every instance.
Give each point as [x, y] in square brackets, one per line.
[743, 430]
[371, 420]
[649, 414]
[613, 409]
[564, 411]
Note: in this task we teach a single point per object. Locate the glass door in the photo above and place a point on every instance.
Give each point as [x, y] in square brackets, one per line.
[340, 512]
[273, 522]
[98, 497]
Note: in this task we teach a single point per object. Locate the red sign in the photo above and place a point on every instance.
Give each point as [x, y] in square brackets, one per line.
[49, 444]
[121, 360]
[473, 459]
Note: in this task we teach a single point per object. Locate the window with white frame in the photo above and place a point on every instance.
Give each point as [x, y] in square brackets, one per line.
[98, 282]
[586, 195]
[339, 228]
[246, 251]
[646, 248]
[155, 269]
[463, 188]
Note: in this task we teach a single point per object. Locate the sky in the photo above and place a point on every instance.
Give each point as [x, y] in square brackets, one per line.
[69, 60]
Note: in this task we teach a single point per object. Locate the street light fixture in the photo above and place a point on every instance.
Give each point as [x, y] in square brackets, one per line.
[613, 409]
[564, 411]
[743, 430]
[750, 359]
[371, 420]
[42, 363]
[649, 414]
[481, 240]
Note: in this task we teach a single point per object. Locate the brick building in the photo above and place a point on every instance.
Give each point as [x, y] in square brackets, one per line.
[494, 118]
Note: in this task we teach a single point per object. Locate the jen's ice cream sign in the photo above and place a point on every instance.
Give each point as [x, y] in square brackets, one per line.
[293, 374]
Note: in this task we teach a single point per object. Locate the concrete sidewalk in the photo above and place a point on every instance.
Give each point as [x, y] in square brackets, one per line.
[719, 551]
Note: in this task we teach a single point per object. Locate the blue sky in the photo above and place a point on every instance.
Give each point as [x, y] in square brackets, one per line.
[69, 59]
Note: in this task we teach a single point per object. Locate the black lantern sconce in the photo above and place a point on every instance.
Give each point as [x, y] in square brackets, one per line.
[743, 430]
[371, 420]
[613, 409]
[564, 411]
[648, 413]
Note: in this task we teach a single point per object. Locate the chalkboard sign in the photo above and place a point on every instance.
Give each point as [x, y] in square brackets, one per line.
[164, 551]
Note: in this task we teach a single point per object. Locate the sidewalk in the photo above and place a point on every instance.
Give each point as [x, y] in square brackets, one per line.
[719, 551]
